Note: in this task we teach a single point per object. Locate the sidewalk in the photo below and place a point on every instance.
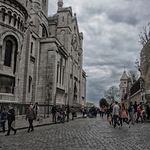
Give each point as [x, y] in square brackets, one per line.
[21, 123]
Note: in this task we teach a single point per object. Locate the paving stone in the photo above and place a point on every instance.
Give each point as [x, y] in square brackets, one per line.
[80, 134]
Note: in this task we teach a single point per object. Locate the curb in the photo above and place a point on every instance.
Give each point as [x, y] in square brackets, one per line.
[39, 125]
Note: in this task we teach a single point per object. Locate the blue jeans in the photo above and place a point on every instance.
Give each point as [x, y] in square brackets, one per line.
[54, 117]
[62, 118]
[116, 117]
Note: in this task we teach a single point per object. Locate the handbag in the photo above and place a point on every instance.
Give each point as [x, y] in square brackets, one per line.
[75, 115]
[109, 119]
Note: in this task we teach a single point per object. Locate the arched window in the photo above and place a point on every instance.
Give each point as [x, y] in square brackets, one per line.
[10, 16]
[44, 31]
[10, 48]
[26, 3]
[3, 13]
[29, 86]
[61, 63]
[8, 53]
[18, 24]
[15, 19]
[57, 71]
[31, 49]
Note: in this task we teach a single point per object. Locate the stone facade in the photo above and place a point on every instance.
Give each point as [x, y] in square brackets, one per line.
[40, 56]
[129, 91]
[145, 69]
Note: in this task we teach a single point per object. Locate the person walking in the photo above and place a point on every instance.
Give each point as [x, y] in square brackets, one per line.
[148, 110]
[102, 110]
[54, 111]
[67, 112]
[10, 118]
[30, 115]
[139, 114]
[36, 108]
[3, 119]
[123, 115]
[109, 114]
[135, 110]
[62, 113]
[115, 114]
[73, 112]
[131, 112]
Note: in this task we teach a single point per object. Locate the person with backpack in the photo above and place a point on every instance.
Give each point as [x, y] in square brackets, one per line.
[36, 108]
[54, 111]
[10, 118]
[3, 118]
[73, 112]
[139, 113]
[131, 113]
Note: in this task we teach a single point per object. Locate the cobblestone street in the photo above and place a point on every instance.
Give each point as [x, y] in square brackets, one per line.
[80, 134]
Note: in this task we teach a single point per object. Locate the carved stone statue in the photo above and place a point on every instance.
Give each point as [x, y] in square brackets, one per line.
[74, 41]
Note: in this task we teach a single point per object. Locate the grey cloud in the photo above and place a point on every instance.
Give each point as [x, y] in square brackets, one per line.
[111, 31]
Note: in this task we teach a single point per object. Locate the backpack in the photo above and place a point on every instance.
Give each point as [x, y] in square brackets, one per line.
[4, 115]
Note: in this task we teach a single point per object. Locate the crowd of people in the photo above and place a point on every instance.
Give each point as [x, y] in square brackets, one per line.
[117, 113]
[9, 116]
[61, 113]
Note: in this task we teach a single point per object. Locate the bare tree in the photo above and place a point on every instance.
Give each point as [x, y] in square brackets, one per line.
[111, 94]
[133, 76]
[145, 35]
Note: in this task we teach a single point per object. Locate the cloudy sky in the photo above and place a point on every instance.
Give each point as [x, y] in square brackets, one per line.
[111, 31]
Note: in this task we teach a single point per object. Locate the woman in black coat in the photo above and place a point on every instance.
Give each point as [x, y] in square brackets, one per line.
[10, 118]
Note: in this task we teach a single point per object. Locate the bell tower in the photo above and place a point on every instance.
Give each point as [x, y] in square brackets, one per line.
[60, 4]
[123, 85]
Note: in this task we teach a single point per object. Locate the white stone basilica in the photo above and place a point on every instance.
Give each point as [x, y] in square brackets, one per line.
[40, 56]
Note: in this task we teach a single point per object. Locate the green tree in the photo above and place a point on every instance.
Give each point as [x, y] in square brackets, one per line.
[103, 102]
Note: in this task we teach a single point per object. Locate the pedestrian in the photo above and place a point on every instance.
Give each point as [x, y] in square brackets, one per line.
[131, 112]
[54, 111]
[3, 118]
[102, 110]
[123, 115]
[67, 112]
[36, 108]
[73, 112]
[10, 118]
[115, 114]
[83, 111]
[139, 113]
[62, 113]
[109, 114]
[135, 110]
[30, 115]
[148, 110]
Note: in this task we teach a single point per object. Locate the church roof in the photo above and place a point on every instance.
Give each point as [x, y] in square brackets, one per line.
[124, 76]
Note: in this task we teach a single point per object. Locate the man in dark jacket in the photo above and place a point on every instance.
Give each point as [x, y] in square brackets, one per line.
[54, 111]
[10, 118]
[30, 115]
[67, 112]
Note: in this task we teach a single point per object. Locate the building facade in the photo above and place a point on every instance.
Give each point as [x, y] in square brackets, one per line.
[145, 71]
[40, 57]
[130, 91]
